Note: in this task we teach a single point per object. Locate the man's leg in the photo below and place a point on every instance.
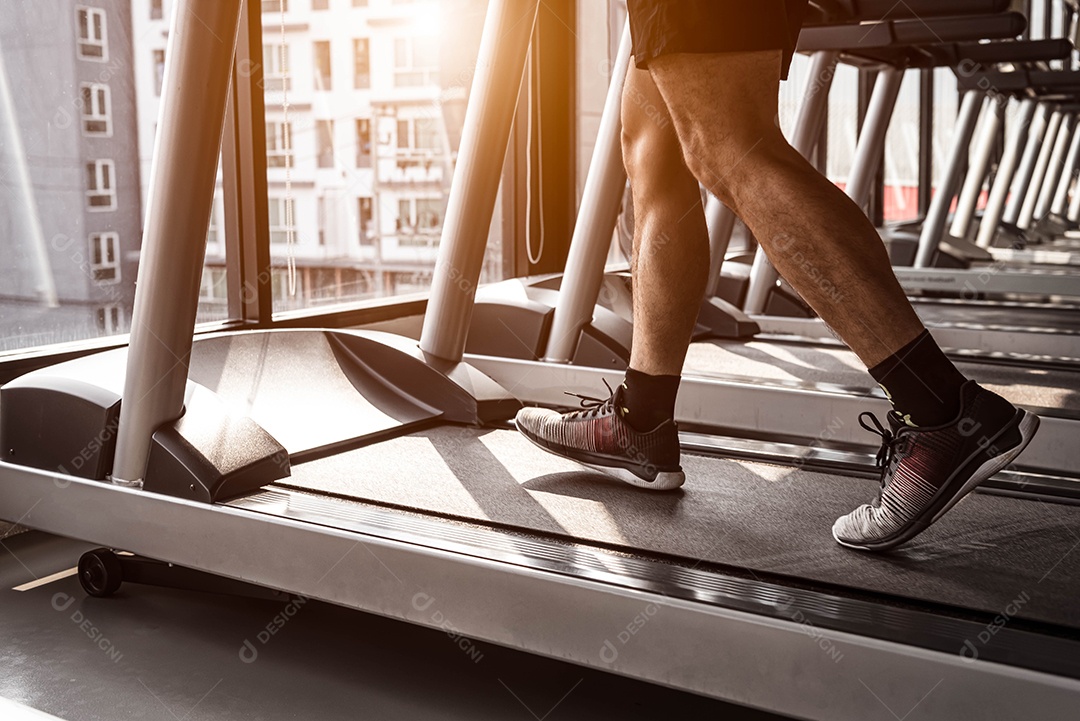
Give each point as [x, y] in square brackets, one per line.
[632, 435]
[724, 109]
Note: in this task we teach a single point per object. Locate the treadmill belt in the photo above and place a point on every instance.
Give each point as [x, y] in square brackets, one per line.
[806, 363]
[988, 553]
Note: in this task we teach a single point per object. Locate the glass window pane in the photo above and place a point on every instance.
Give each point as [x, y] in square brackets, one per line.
[371, 161]
[76, 164]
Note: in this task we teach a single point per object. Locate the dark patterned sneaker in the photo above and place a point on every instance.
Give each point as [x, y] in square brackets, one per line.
[926, 471]
[598, 437]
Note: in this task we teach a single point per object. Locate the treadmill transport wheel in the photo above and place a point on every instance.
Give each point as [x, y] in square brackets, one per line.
[100, 573]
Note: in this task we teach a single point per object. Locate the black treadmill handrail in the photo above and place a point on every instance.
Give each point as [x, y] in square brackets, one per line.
[876, 10]
[854, 37]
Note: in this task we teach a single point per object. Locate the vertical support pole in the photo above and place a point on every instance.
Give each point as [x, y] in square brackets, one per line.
[1061, 195]
[1038, 175]
[926, 139]
[600, 201]
[1053, 170]
[198, 69]
[934, 225]
[485, 137]
[720, 221]
[1035, 136]
[999, 192]
[978, 167]
[763, 276]
[871, 143]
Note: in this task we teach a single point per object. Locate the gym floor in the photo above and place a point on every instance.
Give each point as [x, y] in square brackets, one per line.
[151, 653]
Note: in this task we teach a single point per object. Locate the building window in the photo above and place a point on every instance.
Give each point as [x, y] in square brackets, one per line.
[367, 221]
[159, 71]
[324, 133]
[105, 258]
[278, 144]
[403, 140]
[96, 109]
[273, 6]
[361, 63]
[359, 3]
[320, 4]
[363, 142]
[322, 65]
[418, 134]
[282, 219]
[155, 10]
[93, 37]
[419, 215]
[101, 185]
[416, 62]
[108, 319]
[276, 59]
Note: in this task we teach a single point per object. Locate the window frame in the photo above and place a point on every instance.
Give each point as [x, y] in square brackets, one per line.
[100, 42]
[100, 164]
[93, 114]
[111, 241]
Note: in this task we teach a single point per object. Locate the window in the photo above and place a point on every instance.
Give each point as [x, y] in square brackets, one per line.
[416, 62]
[278, 144]
[282, 219]
[276, 59]
[155, 10]
[214, 285]
[324, 133]
[361, 63]
[322, 65]
[96, 110]
[320, 4]
[273, 6]
[105, 258]
[428, 213]
[363, 142]
[426, 132]
[101, 185]
[367, 224]
[108, 319]
[359, 3]
[93, 42]
[159, 71]
[403, 139]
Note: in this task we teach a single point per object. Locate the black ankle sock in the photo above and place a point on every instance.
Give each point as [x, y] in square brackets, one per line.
[923, 385]
[647, 401]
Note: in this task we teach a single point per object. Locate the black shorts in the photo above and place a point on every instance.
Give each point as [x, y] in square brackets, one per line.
[665, 27]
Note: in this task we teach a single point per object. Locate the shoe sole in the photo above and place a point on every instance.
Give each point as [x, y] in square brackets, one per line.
[664, 481]
[1027, 425]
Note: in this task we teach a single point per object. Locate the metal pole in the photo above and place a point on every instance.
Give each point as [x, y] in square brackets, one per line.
[1031, 197]
[1061, 196]
[1057, 161]
[198, 70]
[934, 225]
[485, 138]
[24, 188]
[978, 166]
[600, 201]
[999, 192]
[763, 276]
[1073, 214]
[720, 220]
[868, 149]
[1035, 136]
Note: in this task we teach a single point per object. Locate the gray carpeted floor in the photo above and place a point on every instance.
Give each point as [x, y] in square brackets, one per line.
[988, 552]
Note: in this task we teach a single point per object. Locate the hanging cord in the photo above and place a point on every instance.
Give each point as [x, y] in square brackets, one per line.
[290, 230]
[534, 74]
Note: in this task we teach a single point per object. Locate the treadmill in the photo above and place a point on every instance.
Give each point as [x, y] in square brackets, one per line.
[430, 510]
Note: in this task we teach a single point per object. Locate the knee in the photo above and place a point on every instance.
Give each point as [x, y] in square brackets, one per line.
[651, 152]
[731, 162]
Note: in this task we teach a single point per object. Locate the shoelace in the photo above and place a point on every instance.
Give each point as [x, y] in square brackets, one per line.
[889, 452]
[592, 406]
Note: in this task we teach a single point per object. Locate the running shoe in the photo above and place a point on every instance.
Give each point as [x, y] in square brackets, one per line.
[927, 471]
[597, 436]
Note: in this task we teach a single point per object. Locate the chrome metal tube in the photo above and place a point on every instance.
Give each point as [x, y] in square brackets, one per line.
[198, 70]
[999, 192]
[500, 68]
